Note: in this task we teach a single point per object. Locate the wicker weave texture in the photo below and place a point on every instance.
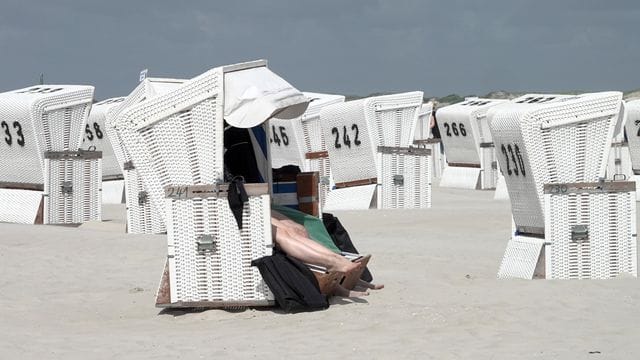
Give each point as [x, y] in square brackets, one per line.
[351, 198]
[611, 247]
[405, 181]
[520, 258]
[354, 129]
[223, 273]
[19, 206]
[552, 140]
[488, 174]
[142, 216]
[619, 163]
[632, 128]
[82, 202]
[96, 137]
[38, 119]
[176, 138]
[463, 127]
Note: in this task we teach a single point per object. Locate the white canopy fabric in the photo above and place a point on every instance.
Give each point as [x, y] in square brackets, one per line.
[255, 95]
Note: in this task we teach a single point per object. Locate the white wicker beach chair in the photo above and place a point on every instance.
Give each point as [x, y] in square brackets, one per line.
[142, 216]
[175, 141]
[553, 152]
[301, 142]
[468, 144]
[356, 131]
[43, 178]
[96, 138]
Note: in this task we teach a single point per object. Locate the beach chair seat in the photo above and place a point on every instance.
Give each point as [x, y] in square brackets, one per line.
[553, 152]
[142, 216]
[42, 128]
[468, 144]
[355, 131]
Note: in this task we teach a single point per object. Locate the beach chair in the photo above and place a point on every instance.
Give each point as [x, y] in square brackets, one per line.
[301, 142]
[176, 141]
[368, 142]
[95, 138]
[569, 223]
[142, 216]
[632, 131]
[468, 144]
[44, 178]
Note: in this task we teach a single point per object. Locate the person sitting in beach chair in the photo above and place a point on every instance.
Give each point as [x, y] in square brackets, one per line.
[289, 233]
[294, 239]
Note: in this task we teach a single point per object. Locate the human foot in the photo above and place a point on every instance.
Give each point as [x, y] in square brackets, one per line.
[341, 291]
[352, 277]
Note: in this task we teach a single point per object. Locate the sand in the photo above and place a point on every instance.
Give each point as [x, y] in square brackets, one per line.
[88, 293]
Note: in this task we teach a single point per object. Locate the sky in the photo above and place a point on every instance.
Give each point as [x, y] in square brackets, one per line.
[334, 46]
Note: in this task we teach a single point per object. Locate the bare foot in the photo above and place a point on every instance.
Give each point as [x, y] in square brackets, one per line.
[367, 285]
[344, 265]
[341, 291]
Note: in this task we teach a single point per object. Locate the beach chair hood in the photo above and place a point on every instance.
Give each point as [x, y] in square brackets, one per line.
[253, 96]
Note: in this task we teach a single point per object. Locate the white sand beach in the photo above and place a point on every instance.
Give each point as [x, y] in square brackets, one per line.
[88, 293]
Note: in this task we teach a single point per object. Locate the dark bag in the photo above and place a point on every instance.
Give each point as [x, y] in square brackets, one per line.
[292, 283]
[341, 238]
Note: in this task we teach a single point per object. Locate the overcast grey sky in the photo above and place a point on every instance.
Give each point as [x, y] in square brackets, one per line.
[346, 47]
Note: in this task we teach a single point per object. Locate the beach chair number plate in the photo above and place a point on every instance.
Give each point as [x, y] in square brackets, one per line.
[282, 139]
[346, 140]
[89, 135]
[8, 137]
[457, 129]
[514, 161]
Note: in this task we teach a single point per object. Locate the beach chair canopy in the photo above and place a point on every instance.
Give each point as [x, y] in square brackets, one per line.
[255, 95]
[546, 139]
[463, 127]
[38, 119]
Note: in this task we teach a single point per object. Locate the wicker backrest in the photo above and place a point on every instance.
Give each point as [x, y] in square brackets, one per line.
[37, 119]
[354, 130]
[463, 127]
[96, 137]
[544, 139]
[147, 89]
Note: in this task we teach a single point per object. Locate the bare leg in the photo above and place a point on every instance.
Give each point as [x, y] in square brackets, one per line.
[299, 250]
[304, 239]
